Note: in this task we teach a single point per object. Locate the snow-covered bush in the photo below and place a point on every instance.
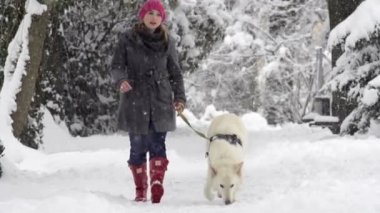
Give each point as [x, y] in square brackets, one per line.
[357, 71]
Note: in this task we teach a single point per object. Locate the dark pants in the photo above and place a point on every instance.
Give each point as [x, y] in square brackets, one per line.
[153, 142]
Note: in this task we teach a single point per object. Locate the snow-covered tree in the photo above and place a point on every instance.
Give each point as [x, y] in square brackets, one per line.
[279, 101]
[257, 32]
[77, 89]
[19, 73]
[357, 70]
[224, 46]
[22, 65]
[198, 25]
[226, 77]
[341, 105]
[339, 10]
[81, 51]
[298, 28]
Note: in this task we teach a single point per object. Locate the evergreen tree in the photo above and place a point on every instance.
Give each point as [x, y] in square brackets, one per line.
[353, 80]
[76, 86]
[84, 91]
[354, 73]
[339, 10]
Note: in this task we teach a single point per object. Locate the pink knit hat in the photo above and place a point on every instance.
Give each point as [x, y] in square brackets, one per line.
[152, 5]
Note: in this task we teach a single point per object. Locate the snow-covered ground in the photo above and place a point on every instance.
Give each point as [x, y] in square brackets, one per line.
[292, 168]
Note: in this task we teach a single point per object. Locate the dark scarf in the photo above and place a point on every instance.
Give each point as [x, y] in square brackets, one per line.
[152, 40]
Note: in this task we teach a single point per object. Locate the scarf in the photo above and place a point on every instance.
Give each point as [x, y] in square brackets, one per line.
[152, 40]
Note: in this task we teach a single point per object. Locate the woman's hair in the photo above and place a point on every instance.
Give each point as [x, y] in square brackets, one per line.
[161, 28]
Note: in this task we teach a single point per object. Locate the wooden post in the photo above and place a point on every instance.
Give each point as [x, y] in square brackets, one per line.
[320, 104]
[320, 74]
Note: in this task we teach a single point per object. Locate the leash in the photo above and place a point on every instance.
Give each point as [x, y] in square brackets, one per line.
[233, 139]
[196, 131]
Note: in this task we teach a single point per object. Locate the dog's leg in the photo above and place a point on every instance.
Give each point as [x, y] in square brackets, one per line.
[233, 197]
[220, 194]
[208, 187]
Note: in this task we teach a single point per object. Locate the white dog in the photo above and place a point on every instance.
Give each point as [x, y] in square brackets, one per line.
[225, 157]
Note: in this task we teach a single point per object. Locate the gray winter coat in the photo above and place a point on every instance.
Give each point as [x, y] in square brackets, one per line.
[156, 80]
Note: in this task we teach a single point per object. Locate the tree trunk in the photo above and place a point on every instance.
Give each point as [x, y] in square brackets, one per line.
[37, 34]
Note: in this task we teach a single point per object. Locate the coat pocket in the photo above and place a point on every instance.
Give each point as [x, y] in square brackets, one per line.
[165, 92]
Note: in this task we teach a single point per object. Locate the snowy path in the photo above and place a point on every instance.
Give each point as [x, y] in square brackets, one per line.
[294, 169]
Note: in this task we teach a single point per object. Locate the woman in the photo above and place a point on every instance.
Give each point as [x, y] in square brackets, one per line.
[145, 69]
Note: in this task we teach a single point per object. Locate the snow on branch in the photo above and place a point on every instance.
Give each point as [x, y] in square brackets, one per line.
[359, 25]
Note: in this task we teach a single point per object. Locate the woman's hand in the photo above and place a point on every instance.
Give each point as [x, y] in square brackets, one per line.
[125, 87]
[179, 106]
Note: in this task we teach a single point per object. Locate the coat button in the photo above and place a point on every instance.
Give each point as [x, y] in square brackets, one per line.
[149, 73]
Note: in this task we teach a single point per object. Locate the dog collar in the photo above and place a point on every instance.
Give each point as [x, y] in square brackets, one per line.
[232, 139]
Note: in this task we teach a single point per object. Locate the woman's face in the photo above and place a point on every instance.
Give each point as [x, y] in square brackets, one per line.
[152, 19]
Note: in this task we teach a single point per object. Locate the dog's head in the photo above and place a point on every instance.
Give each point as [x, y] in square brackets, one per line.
[227, 181]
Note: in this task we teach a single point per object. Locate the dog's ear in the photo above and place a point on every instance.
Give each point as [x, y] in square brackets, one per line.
[238, 167]
[213, 172]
